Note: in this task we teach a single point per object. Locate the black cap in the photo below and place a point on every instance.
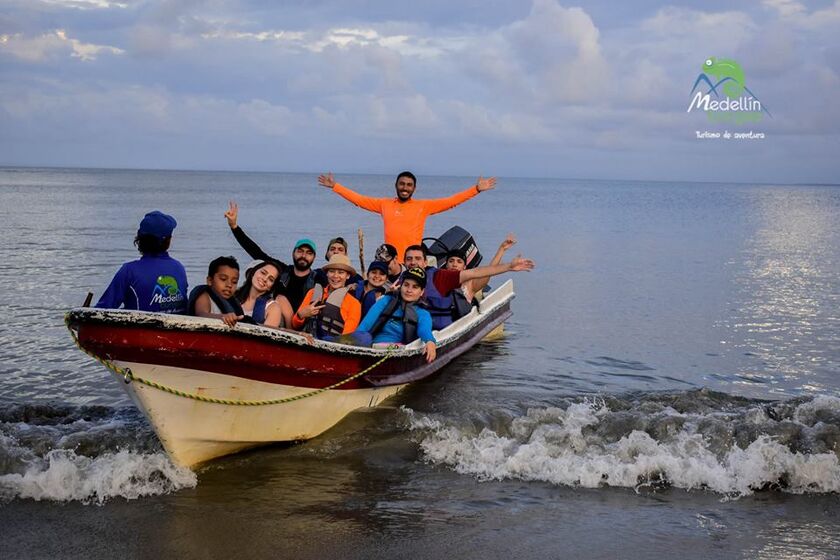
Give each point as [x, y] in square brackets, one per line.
[460, 253]
[381, 266]
[417, 274]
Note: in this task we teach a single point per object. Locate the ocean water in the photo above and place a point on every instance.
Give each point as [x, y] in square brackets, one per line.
[669, 382]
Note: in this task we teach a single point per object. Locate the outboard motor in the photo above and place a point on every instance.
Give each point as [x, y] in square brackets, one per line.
[455, 237]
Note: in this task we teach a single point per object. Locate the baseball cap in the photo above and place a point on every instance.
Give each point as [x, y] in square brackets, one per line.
[417, 274]
[306, 241]
[158, 224]
[386, 252]
[381, 266]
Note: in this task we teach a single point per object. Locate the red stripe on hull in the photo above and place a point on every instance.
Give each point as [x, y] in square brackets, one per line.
[260, 358]
[228, 354]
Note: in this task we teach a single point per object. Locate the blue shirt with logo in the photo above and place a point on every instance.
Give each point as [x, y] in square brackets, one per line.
[151, 283]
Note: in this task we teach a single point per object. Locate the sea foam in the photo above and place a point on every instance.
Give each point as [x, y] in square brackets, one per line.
[87, 454]
[728, 446]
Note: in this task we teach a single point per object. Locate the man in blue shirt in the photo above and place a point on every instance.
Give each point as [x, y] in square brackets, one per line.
[154, 282]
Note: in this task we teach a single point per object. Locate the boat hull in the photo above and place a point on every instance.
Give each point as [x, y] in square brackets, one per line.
[194, 431]
[204, 387]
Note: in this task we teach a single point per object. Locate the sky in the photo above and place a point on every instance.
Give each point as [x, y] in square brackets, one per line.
[539, 88]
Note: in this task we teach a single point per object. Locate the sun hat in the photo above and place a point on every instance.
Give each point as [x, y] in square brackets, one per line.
[339, 262]
[157, 224]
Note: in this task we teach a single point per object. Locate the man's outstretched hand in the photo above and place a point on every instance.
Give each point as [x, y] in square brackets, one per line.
[485, 184]
[326, 180]
[519, 264]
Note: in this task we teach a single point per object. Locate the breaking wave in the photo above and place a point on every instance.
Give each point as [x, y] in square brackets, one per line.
[85, 453]
[692, 440]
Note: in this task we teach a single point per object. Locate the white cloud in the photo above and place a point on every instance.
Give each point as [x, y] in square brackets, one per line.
[797, 13]
[224, 75]
[481, 123]
[291, 37]
[688, 30]
[827, 17]
[785, 8]
[36, 49]
[339, 37]
[263, 117]
[562, 46]
[401, 115]
[86, 4]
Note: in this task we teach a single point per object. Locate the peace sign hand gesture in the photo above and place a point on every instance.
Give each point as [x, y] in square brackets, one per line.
[232, 213]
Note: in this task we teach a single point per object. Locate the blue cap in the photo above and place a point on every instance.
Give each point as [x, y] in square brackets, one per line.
[157, 224]
[305, 241]
[378, 265]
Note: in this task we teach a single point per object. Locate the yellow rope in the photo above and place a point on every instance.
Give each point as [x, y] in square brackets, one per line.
[126, 374]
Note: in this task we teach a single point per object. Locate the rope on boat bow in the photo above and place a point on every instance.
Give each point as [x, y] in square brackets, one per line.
[128, 376]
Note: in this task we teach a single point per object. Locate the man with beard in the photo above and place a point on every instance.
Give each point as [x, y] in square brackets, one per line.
[294, 279]
[403, 217]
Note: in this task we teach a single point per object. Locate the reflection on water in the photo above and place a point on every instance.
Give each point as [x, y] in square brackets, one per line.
[787, 309]
[786, 540]
[640, 288]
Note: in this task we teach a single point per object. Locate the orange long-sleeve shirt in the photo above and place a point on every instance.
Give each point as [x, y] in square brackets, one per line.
[351, 311]
[404, 222]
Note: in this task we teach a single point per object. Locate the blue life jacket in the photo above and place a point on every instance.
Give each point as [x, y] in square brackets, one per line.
[366, 299]
[439, 307]
[408, 317]
[258, 314]
[230, 305]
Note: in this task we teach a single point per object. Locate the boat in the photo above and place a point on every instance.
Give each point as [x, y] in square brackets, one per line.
[210, 390]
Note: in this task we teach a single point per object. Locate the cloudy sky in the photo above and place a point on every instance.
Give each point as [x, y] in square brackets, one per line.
[538, 88]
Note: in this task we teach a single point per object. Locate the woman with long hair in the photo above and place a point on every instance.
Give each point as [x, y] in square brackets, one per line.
[255, 296]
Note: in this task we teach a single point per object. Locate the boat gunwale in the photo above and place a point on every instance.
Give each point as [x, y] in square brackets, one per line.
[145, 319]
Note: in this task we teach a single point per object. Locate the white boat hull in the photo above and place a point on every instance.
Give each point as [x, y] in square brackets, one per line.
[194, 431]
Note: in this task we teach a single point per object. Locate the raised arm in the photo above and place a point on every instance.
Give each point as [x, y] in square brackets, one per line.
[516, 265]
[244, 241]
[438, 205]
[479, 283]
[365, 202]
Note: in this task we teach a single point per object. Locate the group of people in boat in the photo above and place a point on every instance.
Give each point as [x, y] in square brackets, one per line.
[402, 296]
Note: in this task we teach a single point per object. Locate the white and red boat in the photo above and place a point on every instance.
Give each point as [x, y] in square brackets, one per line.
[210, 390]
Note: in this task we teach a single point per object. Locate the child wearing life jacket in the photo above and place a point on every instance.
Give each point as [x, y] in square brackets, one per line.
[369, 291]
[330, 311]
[395, 319]
[217, 298]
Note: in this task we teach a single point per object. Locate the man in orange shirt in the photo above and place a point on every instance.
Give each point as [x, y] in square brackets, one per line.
[404, 218]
